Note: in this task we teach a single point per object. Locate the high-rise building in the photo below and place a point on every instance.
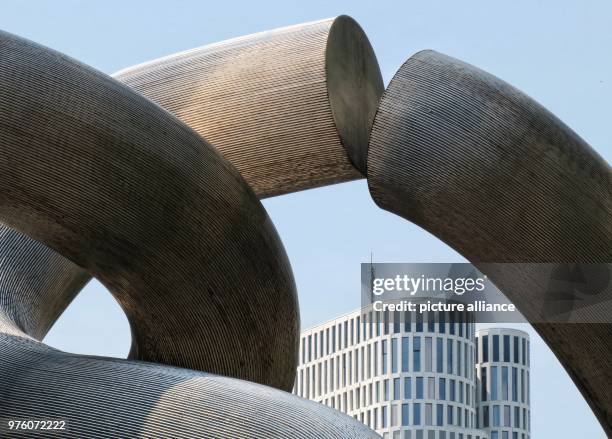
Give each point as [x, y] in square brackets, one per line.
[502, 381]
[404, 375]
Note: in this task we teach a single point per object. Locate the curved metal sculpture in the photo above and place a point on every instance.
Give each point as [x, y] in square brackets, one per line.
[290, 108]
[133, 196]
[500, 179]
[121, 188]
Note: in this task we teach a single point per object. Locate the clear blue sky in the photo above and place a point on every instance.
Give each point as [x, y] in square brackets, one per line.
[556, 51]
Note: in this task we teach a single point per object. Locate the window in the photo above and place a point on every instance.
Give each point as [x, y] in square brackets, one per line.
[333, 339]
[517, 417]
[496, 348]
[439, 355]
[507, 348]
[452, 390]
[449, 415]
[507, 416]
[494, 435]
[407, 322]
[442, 388]
[431, 388]
[449, 356]
[483, 387]
[345, 334]
[405, 418]
[416, 414]
[428, 354]
[396, 322]
[428, 414]
[407, 388]
[485, 348]
[352, 342]
[485, 416]
[386, 389]
[384, 356]
[394, 355]
[516, 349]
[431, 320]
[442, 323]
[439, 414]
[419, 322]
[309, 347]
[524, 354]
[386, 322]
[493, 383]
[505, 383]
[358, 330]
[416, 354]
[514, 384]
[405, 353]
[496, 416]
[396, 389]
[316, 339]
[384, 416]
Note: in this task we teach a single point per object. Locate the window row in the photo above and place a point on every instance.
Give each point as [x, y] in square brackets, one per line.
[431, 434]
[405, 354]
[503, 416]
[503, 383]
[374, 324]
[497, 348]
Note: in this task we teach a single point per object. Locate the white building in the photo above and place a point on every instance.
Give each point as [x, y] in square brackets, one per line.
[502, 371]
[406, 379]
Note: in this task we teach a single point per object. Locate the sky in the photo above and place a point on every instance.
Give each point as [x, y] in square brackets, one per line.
[558, 52]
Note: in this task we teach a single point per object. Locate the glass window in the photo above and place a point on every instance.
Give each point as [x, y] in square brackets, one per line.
[517, 417]
[416, 354]
[431, 388]
[507, 416]
[428, 414]
[407, 322]
[431, 320]
[345, 333]
[514, 384]
[504, 383]
[496, 416]
[493, 383]
[396, 389]
[485, 348]
[394, 355]
[449, 414]
[386, 389]
[442, 388]
[384, 356]
[442, 322]
[405, 353]
[384, 416]
[524, 354]
[416, 414]
[485, 416]
[428, 354]
[386, 322]
[309, 347]
[419, 388]
[483, 387]
[419, 322]
[449, 356]
[507, 348]
[333, 339]
[494, 435]
[451, 385]
[496, 348]
[439, 414]
[515, 349]
[407, 388]
[439, 355]
[405, 418]
[358, 330]
[396, 322]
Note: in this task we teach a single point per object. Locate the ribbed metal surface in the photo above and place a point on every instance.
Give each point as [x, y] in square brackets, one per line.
[275, 104]
[111, 398]
[36, 284]
[500, 179]
[123, 189]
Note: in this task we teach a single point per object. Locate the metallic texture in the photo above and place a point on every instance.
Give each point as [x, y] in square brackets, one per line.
[500, 179]
[92, 172]
[290, 108]
[124, 190]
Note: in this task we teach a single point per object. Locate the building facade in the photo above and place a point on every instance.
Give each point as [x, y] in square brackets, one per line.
[502, 381]
[403, 375]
